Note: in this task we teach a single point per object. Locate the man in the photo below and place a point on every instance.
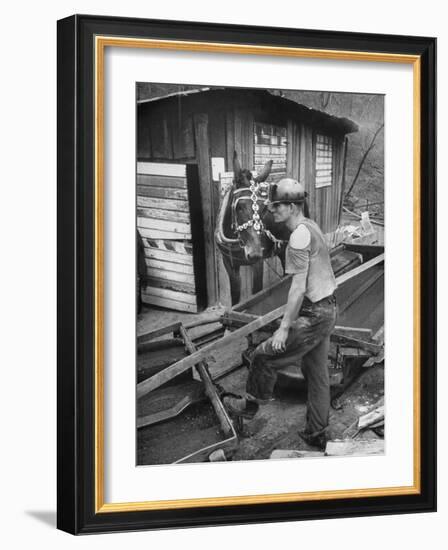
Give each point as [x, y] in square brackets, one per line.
[307, 323]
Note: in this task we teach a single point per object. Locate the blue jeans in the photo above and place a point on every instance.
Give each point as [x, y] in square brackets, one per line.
[309, 339]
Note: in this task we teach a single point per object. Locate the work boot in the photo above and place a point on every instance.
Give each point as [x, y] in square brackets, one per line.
[316, 439]
[240, 406]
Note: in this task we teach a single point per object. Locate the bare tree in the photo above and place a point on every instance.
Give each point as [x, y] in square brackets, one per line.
[363, 159]
[325, 98]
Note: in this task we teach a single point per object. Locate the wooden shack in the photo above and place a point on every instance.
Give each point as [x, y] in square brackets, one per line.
[203, 128]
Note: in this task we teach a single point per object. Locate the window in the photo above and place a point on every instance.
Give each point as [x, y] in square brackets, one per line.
[324, 160]
[270, 144]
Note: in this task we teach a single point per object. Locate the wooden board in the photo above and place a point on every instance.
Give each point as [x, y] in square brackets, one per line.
[170, 294]
[353, 447]
[180, 205]
[168, 403]
[170, 275]
[160, 214]
[169, 266]
[162, 181]
[162, 192]
[162, 169]
[169, 304]
[168, 255]
[164, 235]
[163, 225]
[171, 285]
[180, 247]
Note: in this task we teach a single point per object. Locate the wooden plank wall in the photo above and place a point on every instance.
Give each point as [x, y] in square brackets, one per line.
[329, 197]
[324, 201]
[164, 135]
[163, 221]
[294, 153]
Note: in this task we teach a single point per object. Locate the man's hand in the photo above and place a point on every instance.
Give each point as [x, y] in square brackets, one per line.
[279, 339]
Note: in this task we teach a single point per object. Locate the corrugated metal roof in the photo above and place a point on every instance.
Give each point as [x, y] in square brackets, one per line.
[345, 124]
[180, 94]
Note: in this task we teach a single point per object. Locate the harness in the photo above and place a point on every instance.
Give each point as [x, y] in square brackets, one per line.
[256, 192]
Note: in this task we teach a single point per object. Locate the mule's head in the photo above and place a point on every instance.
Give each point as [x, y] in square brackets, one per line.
[255, 243]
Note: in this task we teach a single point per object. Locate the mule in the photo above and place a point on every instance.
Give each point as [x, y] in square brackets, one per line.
[246, 233]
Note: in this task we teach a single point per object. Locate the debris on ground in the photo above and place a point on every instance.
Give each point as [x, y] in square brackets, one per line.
[217, 456]
[352, 447]
[292, 453]
[373, 419]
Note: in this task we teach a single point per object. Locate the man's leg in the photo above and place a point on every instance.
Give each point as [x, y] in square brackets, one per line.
[303, 336]
[317, 376]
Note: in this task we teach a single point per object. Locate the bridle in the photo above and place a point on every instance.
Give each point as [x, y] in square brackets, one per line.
[256, 192]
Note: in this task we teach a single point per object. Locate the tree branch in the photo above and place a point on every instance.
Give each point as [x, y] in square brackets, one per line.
[363, 159]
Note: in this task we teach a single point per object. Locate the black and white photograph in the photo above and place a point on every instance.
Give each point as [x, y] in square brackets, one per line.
[260, 274]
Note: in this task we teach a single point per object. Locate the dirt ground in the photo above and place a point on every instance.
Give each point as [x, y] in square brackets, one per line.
[275, 426]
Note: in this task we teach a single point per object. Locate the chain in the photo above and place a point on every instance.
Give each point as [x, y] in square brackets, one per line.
[257, 191]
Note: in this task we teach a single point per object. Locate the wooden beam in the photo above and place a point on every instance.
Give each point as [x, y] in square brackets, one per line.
[354, 332]
[210, 389]
[207, 198]
[237, 319]
[173, 327]
[167, 303]
[356, 343]
[358, 292]
[360, 269]
[184, 364]
[193, 394]
[204, 319]
[255, 298]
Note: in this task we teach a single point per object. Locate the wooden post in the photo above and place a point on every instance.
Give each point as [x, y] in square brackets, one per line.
[342, 190]
[210, 389]
[208, 200]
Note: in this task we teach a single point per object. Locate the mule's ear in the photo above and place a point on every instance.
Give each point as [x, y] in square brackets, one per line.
[262, 176]
[236, 165]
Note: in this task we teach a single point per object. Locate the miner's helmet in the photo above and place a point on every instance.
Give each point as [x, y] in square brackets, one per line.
[287, 190]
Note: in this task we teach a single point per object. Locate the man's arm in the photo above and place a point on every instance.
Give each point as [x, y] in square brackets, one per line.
[295, 299]
[297, 262]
